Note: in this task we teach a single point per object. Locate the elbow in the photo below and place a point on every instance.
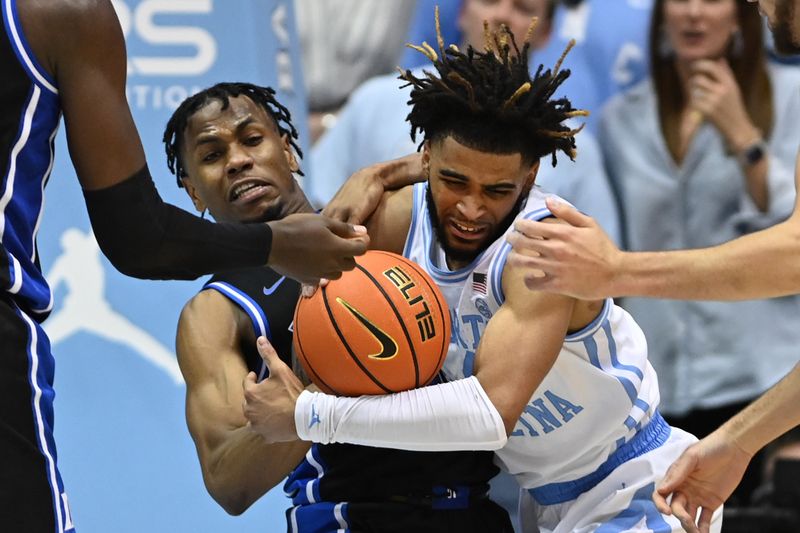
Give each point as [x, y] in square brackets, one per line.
[509, 422]
[232, 501]
[229, 496]
[509, 414]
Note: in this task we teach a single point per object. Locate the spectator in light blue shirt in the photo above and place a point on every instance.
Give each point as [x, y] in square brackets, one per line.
[702, 153]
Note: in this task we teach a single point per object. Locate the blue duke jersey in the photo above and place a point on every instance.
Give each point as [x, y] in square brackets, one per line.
[344, 487]
[593, 410]
[29, 117]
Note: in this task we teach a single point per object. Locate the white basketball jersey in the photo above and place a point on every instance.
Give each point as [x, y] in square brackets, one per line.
[593, 410]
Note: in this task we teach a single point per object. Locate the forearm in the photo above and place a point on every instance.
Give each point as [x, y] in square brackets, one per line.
[144, 237]
[451, 416]
[772, 415]
[398, 173]
[242, 468]
[759, 265]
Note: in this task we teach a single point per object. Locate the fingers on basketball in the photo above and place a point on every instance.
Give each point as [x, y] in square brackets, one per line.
[383, 327]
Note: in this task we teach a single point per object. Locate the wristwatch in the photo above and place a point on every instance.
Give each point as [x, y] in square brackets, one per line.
[752, 153]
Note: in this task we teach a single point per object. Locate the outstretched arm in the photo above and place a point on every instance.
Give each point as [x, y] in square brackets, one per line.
[238, 465]
[706, 474]
[580, 260]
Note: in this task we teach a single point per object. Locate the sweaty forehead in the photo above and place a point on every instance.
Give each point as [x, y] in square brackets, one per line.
[453, 156]
[240, 109]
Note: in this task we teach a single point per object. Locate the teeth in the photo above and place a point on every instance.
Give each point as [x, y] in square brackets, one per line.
[241, 189]
[466, 229]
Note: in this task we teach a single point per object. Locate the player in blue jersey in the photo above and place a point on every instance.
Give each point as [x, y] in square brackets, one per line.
[234, 160]
[68, 57]
[560, 388]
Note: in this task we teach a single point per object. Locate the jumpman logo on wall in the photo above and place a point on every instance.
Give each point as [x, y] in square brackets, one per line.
[85, 308]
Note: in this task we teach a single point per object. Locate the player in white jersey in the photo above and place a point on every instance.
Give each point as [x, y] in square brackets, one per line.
[594, 416]
[561, 388]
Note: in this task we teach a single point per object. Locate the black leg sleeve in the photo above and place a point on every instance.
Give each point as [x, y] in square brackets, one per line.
[145, 237]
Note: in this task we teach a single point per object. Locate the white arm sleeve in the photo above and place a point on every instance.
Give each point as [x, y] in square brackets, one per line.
[450, 416]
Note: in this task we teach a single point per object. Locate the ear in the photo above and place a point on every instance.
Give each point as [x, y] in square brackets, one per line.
[426, 159]
[288, 152]
[191, 190]
[530, 179]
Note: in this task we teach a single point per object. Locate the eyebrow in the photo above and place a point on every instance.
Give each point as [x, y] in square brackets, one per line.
[453, 174]
[461, 177]
[208, 138]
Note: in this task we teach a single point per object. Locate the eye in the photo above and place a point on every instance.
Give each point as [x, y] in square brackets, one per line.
[253, 140]
[498, 193]
[452, 183]
[210, 157]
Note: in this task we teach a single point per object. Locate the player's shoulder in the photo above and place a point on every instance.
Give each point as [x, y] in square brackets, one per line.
[205, 310]
[83, 13]
[388, 225]
[59, 29]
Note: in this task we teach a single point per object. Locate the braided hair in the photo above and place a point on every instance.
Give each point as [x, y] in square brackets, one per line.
[488, 100]
[262, 96]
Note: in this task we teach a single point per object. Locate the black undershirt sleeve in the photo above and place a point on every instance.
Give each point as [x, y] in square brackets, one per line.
[145, 237]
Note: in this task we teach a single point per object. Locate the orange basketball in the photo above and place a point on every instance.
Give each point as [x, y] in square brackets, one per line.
[383, 327]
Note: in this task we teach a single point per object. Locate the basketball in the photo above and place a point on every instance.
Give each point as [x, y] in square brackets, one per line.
[383, 327]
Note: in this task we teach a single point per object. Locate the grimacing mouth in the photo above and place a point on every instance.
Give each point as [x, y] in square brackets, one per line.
[243, 185]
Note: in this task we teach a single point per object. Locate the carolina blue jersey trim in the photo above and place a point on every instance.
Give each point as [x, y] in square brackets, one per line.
[641, 506]
[499, 261]
[23, 50]
[612, 349]
[591, 349]
[593, 326]
[649, 438]
[417, 203]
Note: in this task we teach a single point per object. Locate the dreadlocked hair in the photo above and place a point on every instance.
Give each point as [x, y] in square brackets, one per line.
[487, 99]
[223, 92]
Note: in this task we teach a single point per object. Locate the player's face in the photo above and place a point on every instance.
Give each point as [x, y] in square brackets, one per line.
[784, 23]
[476, 195]
[700, 29]
[516, 14]
[237, 164]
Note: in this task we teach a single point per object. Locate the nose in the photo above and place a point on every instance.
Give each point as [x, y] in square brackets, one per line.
[470, 208]
[695, 7]
[239, 159]
[501, 13]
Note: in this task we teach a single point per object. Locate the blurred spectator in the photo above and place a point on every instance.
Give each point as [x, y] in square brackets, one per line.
[702, 153]
[372, 125]
[610, 44]
[345, 42]
[423, 29]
